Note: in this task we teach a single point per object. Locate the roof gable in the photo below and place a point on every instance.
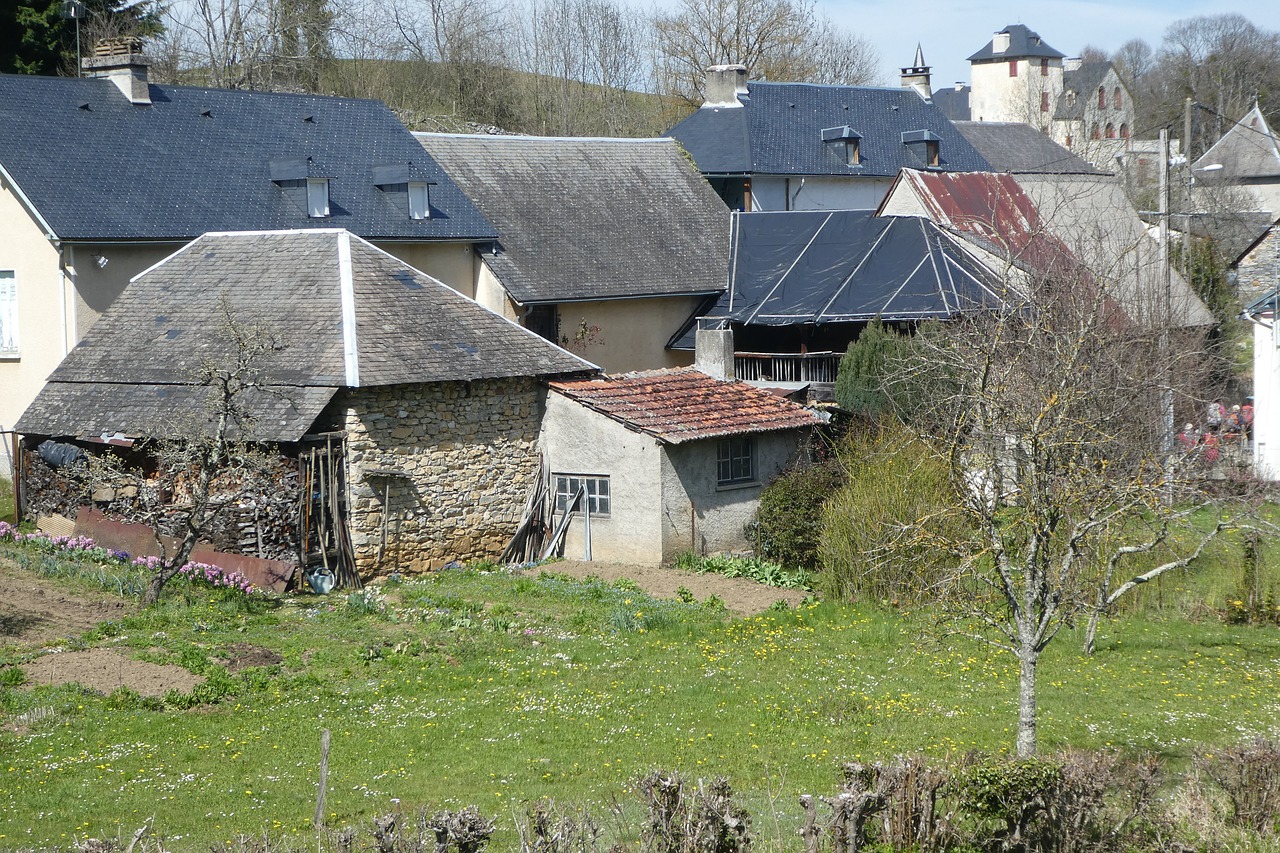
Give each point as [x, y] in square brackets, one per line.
[1249, 150]
[779, 132]
[591, 218]
[97, 167]
[680, 405]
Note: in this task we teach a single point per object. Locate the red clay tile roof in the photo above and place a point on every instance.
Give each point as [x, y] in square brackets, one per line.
[684, 404]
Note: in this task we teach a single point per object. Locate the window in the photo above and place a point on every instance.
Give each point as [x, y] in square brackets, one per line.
[735, 461]
[419, 204]
[1044, 68]
[1117, 100]
[1013, 68]
[1044, 102]
[1094, 132]
[1071, 98]
[597, 493]
[8, 313]
[931, 152]
[1102, 98]
[317, 197]
[1124, 131]
[1111, 131]
[1068, 140]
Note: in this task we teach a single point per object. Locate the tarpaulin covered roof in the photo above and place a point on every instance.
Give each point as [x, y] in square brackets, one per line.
[839, 266]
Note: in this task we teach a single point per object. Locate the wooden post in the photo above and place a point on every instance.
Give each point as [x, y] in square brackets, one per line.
[324, 779]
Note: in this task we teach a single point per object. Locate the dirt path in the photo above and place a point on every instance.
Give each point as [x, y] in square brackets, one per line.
[35, 611]
[741, 596]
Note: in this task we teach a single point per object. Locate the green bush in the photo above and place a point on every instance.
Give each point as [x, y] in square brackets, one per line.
[866, 547]
[789, 518]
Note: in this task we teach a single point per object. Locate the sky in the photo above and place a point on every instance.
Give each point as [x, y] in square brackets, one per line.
[950, 31]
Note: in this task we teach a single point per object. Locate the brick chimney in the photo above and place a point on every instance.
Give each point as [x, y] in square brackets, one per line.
[713, 352]
[121, 61]
[916, 76]
[723, 86]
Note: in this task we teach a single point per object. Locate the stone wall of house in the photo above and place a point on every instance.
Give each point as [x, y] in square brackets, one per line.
[1259, 270]
[438, 472]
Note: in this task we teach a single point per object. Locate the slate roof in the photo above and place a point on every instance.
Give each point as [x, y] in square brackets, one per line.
[778, 131]
[1020, 148]
[954, 102]
[340, 312]
[1084, 81]
[591, 218]
[684, 404]
[97, 167]
[813, 267]
[1248, 151]
[1023, 43]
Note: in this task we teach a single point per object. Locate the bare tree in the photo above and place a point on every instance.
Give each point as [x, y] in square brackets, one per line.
[1048, 417]
[784, 40]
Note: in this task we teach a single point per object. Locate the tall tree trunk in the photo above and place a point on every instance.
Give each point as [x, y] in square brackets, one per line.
[1027, 659]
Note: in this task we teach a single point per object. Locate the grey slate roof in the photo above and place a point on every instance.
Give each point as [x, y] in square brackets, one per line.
[408, 328]
[1084, 81]
[1023, 43]
[1248, 151]
[954, 102]
[98, 167]
[591, 218]
[778, 131]
[1020, 148]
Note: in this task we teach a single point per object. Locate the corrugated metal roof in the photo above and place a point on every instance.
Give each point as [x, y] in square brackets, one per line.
[684, 404]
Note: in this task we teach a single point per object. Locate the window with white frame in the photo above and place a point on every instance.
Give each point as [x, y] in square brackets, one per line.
[735, 461]
[317, 197]
[8, 313]
[596, 492]
[419, 201]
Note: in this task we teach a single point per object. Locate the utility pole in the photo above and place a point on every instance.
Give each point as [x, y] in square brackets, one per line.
[1165, 315]
[73, 10]
[1186, 189]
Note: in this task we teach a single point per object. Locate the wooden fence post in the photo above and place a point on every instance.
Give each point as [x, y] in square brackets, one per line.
[324, 779]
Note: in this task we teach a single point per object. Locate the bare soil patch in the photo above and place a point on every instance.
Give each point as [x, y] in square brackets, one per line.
[743, 597]
[240, 656]
[103, 670]
[34, 611]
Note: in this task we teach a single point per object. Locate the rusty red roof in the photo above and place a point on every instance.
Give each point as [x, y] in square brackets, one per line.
[683, 404]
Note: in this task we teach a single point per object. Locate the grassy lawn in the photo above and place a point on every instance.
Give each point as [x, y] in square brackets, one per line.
[498, 690]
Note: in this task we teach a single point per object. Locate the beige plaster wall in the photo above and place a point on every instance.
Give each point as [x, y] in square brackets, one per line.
[470, 453]
[454, 264]
[633, 333]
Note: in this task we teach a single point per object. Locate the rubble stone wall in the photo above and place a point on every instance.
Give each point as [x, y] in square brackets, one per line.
[438, 472]
[1259, 270]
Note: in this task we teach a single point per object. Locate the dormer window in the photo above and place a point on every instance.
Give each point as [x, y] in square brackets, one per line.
[926, 145]
[846, 142]
[419, 200]
[317, 197]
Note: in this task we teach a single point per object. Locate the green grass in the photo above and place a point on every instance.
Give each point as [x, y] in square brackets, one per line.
[469, 687]
[7, 497]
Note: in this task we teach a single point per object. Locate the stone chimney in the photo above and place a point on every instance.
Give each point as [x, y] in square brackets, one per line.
[1000, 42]
[713, 352]
[723, 86]
[1072, 63]
[120, 60]
[916, 76]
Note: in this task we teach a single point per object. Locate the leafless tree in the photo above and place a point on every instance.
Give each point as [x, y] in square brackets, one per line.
[783, 40]
[1048, 416]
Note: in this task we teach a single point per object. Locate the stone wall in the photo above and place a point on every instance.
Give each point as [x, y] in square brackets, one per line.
[1259, 270]
[438, 472]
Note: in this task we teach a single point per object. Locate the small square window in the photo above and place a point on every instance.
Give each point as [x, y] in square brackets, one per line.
[596, 493]
[735, 461]
[8, 313]
[317, 197]
[419, 201]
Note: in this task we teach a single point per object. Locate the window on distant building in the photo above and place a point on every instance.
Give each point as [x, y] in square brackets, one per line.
[317, 197]
[735, 461]
[1013, 68]
[1095, 132]
[1124, 131]
[1068, 140]
[1071, 98]
[1044, 102]
[595, 489]
[419, 201]
[8, 313]
[1111, 131]
[1044, 68]
[1117, 99]
[1102, 98]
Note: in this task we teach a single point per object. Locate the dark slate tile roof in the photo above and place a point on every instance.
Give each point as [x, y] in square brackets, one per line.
[1084, 82]
[1023, 43]
[408, 327]
[1020, 148]
[683, 404]
[591, 218]
[778, 131]
[954, 102]
[98, 167]
[1249, 150]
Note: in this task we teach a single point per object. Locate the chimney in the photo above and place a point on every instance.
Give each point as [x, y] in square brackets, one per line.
[120, 60]
[917, 76]
[1000, 42]
[723, 86]
[1072, 63]
[713, 353]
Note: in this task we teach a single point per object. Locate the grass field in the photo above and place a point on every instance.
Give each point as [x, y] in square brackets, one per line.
[493, 689]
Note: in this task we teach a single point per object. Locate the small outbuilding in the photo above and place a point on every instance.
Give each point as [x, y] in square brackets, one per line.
[667, 461]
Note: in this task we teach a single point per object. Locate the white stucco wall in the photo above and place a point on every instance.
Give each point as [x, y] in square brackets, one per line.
[1266, 402]
[698, 515]
[817, 193]
[576, 440]
[995, 96]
